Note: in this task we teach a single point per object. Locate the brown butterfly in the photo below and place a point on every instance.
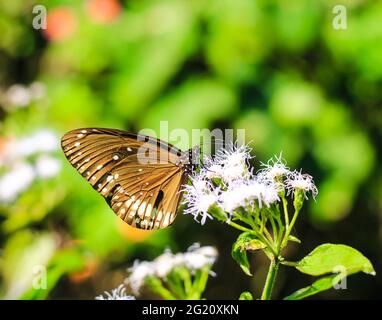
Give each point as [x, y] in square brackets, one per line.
[140, 177]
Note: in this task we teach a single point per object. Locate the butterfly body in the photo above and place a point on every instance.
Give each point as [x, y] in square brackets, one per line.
[140, 177]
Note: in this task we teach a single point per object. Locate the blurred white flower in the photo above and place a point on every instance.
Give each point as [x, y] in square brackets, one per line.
[47, 166]
[20, 174]
[165, 263]
[299, 181]
[118, 293]
[198, 257]
[42, 140]
[37, 90]
[138, 272]
[15, 181]
[18, 95]
[195, 258]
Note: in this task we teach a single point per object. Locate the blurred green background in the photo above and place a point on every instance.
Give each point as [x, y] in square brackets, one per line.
[275, 68]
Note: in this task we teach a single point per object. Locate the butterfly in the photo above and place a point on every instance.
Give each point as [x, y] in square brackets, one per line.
[140, 177]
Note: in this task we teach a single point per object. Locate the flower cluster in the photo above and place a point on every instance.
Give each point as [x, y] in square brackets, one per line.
[25, 160]
[118, 293]
[228, 182]
[196, 258]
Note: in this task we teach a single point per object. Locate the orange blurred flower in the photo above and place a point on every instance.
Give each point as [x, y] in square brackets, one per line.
[61, 24]
[133, 234]
[103, 10]
[88, 271]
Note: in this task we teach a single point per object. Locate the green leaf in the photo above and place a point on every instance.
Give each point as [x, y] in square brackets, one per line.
[246, 296]
[245, 241]
[322, 284]
[328, 258]
[339, 259]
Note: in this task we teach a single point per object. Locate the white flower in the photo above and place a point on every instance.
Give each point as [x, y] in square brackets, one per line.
[274, 168]
[270, 194]
[240, 195]
[199, 197]
[138, 272]
[233, 163]
[15, 181]
[195, 258]
[299, 181]
[47, 166]
[234, 197]
[118, 293]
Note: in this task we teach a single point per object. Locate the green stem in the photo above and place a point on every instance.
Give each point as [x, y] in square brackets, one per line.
[238, 226]
[289, 228]
[270, 281]
[285, 209]
[268, 242]
[156, 286]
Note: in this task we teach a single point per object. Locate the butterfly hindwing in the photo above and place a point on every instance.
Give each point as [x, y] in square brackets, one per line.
[145, 195]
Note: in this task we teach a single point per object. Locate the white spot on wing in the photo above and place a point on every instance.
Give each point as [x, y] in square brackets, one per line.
[148, 210]
[136, 205]
[141, 210]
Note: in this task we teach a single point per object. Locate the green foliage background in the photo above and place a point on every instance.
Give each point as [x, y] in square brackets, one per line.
[275, 68]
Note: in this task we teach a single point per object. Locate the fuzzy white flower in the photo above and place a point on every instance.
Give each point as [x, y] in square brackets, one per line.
[245, 193]
[274, 168]
[230, 164]
[118, 293]
[199, 196]
[234, 197]
[299, 181]
[270, 194]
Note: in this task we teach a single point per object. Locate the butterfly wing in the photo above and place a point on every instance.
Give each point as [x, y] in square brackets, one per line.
[140, 177]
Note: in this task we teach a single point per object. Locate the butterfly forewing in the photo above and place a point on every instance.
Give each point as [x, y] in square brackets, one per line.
[145, 195]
